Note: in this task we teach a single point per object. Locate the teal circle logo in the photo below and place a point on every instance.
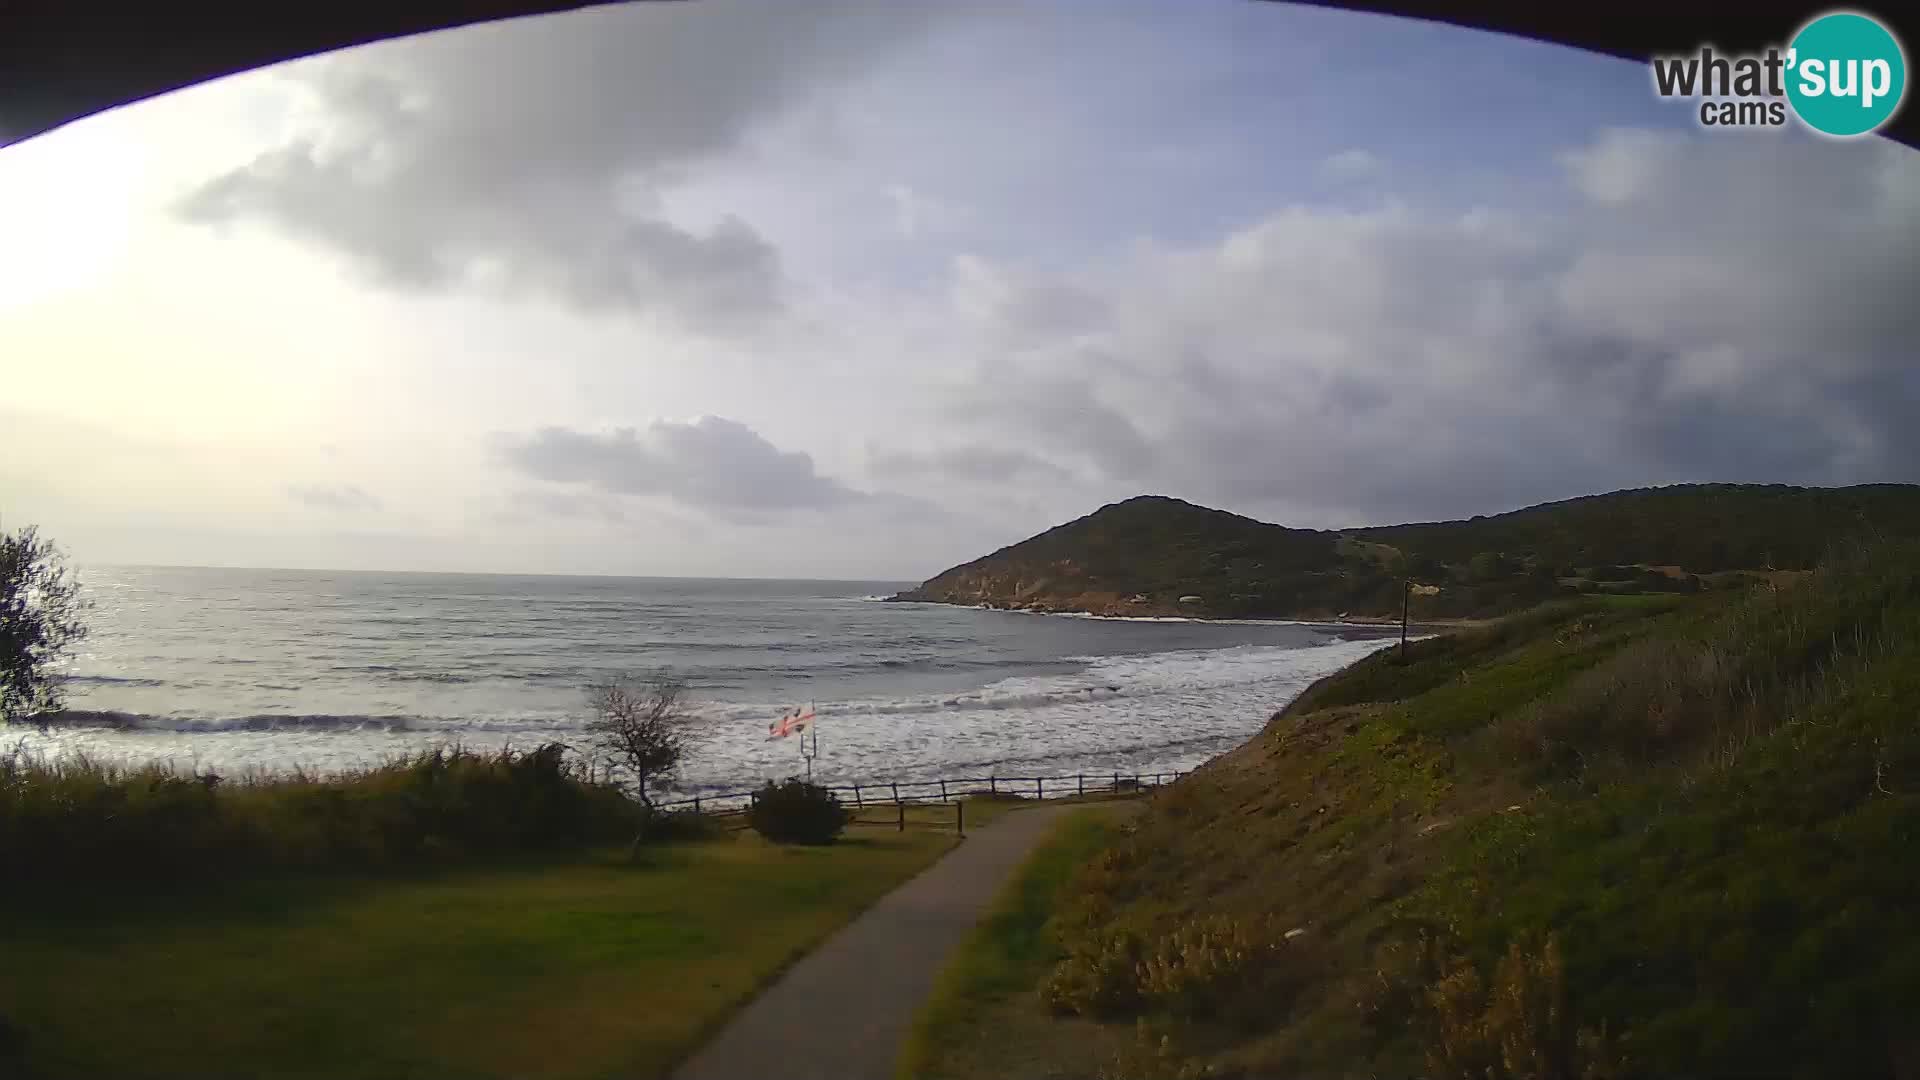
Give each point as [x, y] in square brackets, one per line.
[1846, 74]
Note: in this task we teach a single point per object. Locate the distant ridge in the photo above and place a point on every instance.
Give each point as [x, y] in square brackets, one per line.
[1157, 555]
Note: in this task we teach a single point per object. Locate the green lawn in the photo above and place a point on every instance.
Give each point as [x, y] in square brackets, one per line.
[588, 967]
[1004, 958]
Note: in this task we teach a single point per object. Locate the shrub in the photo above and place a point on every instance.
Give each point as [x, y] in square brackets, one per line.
[797, 812]
[77, 822]
[1211, 967]
[1099, 976]
[1219, 966]
[1515, 1028]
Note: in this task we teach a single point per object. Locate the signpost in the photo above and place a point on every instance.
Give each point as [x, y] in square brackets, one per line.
[810, 743]
[801, 721]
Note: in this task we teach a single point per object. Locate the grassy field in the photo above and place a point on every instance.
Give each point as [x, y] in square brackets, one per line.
[587, 966]
[1004, 957]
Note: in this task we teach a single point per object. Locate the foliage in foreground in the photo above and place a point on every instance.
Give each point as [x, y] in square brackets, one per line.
[797, 812]
[40, 623]
[77, 821]
[1610, 838]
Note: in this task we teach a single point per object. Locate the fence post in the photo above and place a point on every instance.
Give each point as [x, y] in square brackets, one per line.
[943, 791]
[856, 797]
[896, 791]
[696, 804]
[1039, 787]
[993, 785]
[960, 817]
[901, 809]
[1082, 778]
[1116, 783]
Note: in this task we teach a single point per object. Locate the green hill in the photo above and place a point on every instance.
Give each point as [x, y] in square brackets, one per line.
[1701, 528]
[1656, 836]
[1154, 555]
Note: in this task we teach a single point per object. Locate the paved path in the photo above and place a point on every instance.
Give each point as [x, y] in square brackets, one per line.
[842, 1012]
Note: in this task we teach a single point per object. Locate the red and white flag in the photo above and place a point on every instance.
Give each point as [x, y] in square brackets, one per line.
[790, 722]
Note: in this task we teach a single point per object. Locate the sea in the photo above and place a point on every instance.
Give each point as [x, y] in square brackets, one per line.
[263, 671]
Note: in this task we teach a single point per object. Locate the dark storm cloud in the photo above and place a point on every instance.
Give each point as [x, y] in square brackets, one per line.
[1704, 309]
[340, 498]
[711, 463]
[528, 154]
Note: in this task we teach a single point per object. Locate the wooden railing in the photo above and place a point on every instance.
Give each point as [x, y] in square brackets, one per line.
[894, 797]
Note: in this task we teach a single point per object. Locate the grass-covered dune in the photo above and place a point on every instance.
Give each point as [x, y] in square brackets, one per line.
[1612, 836]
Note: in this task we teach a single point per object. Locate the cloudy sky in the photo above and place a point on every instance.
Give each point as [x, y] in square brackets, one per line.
[862, 290]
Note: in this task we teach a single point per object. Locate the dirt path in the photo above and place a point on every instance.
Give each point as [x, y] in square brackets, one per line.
[842, 1012]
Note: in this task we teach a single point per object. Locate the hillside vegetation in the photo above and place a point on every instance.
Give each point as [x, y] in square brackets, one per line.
[1157, 556]
[1608, 837]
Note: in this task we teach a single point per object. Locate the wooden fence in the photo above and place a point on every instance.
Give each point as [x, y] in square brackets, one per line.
[893, 798]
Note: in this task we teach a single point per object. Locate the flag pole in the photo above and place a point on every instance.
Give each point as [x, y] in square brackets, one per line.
[807, 753]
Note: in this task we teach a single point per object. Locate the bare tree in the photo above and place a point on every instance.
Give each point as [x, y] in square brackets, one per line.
[40, 623]
[642, 729]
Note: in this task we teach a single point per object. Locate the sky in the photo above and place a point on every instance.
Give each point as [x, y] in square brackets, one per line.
[862, 290]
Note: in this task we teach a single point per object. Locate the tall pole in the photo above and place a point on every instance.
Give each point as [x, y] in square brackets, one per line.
[1406, 603]
[812, 729]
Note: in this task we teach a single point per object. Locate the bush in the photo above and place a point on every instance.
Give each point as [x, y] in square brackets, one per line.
[1099, 977]
[1515, 1028]
[78, 822]
[1207, 968]
[1218, 966]
[797, 812]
